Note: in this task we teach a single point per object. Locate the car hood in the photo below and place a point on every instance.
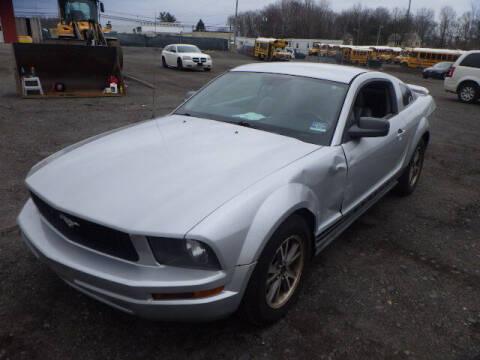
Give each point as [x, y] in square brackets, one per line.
[163, 176]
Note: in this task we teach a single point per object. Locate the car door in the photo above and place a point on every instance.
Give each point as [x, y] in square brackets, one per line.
[166, 53]
[373, 161]
[172, 56]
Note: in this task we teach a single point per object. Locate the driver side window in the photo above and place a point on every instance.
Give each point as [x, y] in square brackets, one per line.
[376, 99]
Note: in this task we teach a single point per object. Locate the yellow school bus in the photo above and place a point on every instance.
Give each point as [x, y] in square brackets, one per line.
[357, 55]
[315, 49]
[402, 57]
[333, 50]
[424, 58]
[269, 48]
[390, 54]
[323, 50]
[384, 53]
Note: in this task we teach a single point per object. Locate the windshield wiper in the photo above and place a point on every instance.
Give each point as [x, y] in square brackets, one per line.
[243, 123]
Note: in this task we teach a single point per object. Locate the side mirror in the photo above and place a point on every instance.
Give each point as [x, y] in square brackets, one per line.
[369, 127]
[189, 95]
[102, 8]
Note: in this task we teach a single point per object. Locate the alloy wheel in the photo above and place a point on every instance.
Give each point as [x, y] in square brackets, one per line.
[284, 272]
[467, 93]
[416, 166]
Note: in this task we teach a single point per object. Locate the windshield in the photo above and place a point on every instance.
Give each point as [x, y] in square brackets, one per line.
[299, 107]
[442, 65]
[79, 10]
[188, 49]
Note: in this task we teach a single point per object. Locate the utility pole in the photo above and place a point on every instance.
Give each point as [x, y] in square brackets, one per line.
[235, 26]
[408, 11]
[378, 33]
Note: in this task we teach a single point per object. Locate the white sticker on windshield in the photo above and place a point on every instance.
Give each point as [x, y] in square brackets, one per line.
[319, 126]
[250, 116]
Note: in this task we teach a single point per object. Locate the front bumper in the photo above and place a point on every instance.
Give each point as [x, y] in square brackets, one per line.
[190, 64]
[129, 286]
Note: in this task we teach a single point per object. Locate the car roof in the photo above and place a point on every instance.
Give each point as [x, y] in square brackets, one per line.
[331, 72]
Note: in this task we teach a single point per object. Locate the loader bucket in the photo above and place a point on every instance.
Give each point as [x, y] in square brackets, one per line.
[83, 70]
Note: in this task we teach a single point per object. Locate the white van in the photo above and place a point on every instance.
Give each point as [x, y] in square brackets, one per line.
[464, 77]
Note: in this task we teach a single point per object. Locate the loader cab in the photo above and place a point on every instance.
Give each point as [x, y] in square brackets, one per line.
[79, 10]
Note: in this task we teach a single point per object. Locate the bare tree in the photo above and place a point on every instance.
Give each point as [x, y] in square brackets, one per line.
[446, 25]
[315, 19]
[424, 24]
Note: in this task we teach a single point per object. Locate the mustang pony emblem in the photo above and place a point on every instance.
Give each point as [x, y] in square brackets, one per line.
[70, 223]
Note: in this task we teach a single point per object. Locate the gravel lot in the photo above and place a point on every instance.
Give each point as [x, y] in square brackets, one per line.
[402, 283]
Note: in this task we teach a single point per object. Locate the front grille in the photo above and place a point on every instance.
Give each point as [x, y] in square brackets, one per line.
[195, 60]
[89, 234]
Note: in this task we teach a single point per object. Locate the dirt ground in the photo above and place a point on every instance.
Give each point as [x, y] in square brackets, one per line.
[402, 283]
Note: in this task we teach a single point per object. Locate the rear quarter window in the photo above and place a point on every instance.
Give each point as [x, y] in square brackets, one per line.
[407, 95]
[472, 60]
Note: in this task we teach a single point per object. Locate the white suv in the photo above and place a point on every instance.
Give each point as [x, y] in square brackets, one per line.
[184, 56]
[464, 77]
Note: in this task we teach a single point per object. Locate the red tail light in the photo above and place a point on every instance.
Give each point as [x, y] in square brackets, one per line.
[452, 70]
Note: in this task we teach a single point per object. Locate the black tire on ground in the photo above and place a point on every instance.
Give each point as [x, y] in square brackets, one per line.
[408, 181]
[425, 76]
[179, 64]
[468, 92]
[116, 43]
[256, 305]
[164, 63]
[207, 69]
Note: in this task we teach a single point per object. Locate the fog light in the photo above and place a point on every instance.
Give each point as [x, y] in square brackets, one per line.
[191, 295]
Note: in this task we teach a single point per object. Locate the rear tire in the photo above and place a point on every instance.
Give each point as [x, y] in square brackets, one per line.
[207, 69]
[468, 93]
[408, 181]
[164, 63]
[179, 64]
[279, 273]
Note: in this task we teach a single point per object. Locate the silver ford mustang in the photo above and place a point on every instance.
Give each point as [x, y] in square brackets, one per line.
[221, 204]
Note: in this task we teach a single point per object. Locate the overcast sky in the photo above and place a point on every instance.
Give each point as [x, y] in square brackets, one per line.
[215, 12]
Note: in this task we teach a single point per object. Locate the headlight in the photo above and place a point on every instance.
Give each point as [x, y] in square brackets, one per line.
[183, 253]
[186, 57]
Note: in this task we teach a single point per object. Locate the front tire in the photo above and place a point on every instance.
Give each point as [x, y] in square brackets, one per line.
[468, 93]
[409, 179]
[179, 64]
[164, 63]
[279, 273]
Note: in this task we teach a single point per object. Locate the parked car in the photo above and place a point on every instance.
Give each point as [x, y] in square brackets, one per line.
[464, 77]
[222, 203]
[437, 71]
[185, 56]
[298, 54]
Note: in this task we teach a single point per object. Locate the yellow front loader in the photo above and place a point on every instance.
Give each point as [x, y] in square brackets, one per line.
[81, 61]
